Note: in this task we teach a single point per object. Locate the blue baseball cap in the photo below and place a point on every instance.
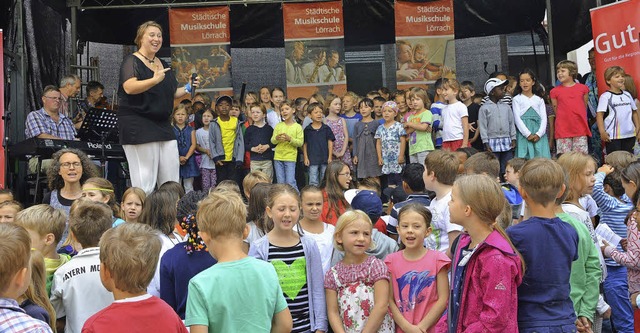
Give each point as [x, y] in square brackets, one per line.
[369, 202]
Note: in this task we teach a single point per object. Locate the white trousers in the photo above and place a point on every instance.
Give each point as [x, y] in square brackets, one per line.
[153, 163]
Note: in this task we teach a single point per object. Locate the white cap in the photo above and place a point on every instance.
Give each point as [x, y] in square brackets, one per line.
[350, 194]
[492, 83]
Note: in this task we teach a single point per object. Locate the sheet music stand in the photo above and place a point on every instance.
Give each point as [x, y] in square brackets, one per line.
[100, 125]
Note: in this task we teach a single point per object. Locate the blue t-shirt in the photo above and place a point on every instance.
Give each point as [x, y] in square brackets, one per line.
[317, 143]
[351, 122]
[548, 247]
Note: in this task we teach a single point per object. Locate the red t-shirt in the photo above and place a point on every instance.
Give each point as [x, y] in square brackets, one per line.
[327, 216]
[149, 314]
[571, 114]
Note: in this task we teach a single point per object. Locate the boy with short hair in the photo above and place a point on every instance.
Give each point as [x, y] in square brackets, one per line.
[548, 246]
[436, 111]
[45, 225]
[483, 163]
[239, 293]
[129, 255]
[318, 144]
[413, 186]
[377, 107]
[257, 141]
[15, 277]
[440, 171]
[226, 140]
[569, 101]
[76, 291]
[512, 171]
[253, 178]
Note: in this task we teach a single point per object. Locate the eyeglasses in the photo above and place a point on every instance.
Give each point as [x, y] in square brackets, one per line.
[53, 98]
[346, 174]
[67, 165]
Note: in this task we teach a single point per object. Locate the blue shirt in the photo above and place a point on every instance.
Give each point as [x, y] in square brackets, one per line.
[548, 247]
[351, 122]
[254, 136]
[317, 141]
[176, 269]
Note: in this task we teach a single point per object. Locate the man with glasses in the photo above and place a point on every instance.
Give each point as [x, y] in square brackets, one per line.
[49, 122]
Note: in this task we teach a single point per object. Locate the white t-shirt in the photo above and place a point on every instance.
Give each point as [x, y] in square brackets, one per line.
[583, 216]
[452, 121]
[440, 224]
[77, 292]
[325, 244]
[619, 121]
[521, 105]
[589, 205]
[167, 244]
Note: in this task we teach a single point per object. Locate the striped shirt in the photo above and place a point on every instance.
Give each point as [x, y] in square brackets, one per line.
[14, 319]
[612, 211]
[291, 267]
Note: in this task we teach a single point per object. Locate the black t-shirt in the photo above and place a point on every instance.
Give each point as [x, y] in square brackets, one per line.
[145, 117]
[473, 111]
[317, 143]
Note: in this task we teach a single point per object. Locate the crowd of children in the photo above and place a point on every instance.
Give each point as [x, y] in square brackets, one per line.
[245, 245]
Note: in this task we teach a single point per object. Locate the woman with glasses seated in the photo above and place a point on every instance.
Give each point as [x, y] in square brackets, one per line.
[69, 169]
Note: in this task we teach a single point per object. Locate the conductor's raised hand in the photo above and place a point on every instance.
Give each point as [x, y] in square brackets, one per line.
[159, 73]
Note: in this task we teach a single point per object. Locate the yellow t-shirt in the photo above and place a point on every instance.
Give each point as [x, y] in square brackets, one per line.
[228, 131]
[51, 265]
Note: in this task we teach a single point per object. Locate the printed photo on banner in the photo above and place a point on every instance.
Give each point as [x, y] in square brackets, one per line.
[314, 62]
[212, 63]
[424, 59]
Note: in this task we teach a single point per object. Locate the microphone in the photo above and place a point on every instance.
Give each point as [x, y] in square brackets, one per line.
[193, 88]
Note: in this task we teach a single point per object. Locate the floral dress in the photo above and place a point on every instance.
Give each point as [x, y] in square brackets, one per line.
[337, 128]
[354, 285]
[390, 142]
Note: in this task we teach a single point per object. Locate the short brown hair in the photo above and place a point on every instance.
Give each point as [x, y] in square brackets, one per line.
[444, 165]
[542, 179]
[483, 163]
[88, 221]
[570, 66]
[611, 71]
[142, 28]
[43, 219]
[259, 106]
[421, 94]
[516, 163]
[253, 178]
[619, 159]
[15, 251]
[131, 252]
[222, 213]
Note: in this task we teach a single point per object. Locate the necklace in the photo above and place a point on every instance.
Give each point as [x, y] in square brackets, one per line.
[151, 61]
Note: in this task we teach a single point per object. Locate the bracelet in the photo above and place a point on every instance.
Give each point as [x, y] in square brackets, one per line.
[187, 87]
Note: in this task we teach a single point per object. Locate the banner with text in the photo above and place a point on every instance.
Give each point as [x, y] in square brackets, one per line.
[617, 42]
[200, 44]
[425, 47]
[314, 45]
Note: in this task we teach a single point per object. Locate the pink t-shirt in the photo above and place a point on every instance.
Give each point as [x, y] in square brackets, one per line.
[571, 115]
[414, 283]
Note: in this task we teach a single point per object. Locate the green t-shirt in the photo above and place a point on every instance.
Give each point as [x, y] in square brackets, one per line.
[585, 271]
[237, 296]
[420, 141]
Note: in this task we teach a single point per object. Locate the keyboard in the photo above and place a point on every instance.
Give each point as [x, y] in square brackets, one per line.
[44, 148]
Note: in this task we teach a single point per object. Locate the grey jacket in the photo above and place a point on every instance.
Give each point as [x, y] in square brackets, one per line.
[215, 142]
[496, 121]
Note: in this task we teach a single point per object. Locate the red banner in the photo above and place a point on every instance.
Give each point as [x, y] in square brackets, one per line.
[314, 46]
[200, 43]
[425, 48]
[616, 29]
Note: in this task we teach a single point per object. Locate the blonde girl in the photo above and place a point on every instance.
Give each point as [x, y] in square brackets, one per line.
[455, 131]
[132, 203]
[288, 137]
[338, 125]
[418, 126]
[186, 137]
[390, 144]
[293, 256]
[486, 269]
[101, 190]
[417, 307]
[357, 287]
[35, 301]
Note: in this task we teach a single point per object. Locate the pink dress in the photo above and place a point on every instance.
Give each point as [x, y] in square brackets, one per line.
[354, 285]
[337, 127]
[414, 283]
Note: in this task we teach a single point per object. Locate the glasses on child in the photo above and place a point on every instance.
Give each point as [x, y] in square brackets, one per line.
[346, 174]
[67, 165]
